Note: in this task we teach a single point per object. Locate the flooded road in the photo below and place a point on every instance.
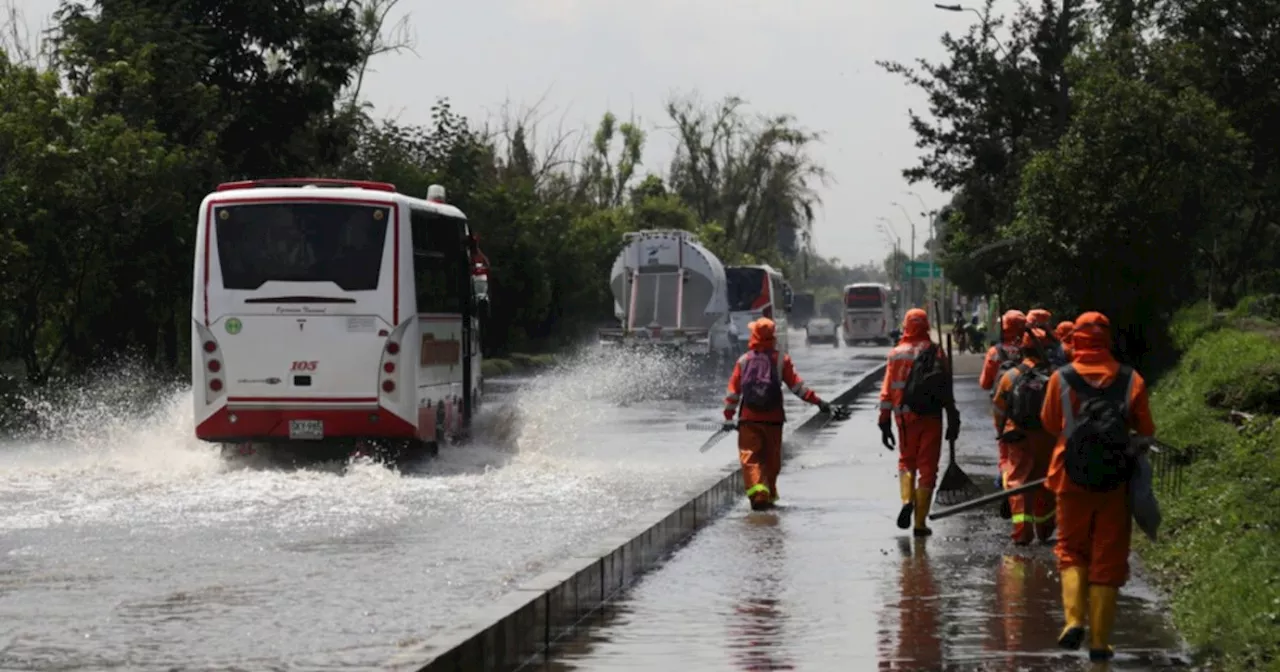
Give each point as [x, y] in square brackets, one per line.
[127, 544]
[829, 583]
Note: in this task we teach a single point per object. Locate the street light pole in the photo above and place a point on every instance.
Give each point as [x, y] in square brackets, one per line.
[913, 248]
[982, 17]
[933, 234]
[886, 227]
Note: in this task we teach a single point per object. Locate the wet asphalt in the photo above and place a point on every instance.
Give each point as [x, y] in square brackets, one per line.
[828, 582]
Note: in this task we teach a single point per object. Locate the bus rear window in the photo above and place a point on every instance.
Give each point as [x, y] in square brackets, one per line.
[863, 297]
[746, 288]
[340, 243]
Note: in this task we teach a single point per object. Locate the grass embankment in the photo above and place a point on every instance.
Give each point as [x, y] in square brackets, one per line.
[516, 363]
[1219, 554]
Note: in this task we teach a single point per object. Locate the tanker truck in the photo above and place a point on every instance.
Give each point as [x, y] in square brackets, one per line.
[669, 291]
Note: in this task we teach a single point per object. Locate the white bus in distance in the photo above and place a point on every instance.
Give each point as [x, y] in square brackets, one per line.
[755, 292]
[332, 316]
[868, 313]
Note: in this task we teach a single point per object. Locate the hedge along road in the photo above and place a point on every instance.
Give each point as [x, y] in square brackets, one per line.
[828, 581]
[126, 543]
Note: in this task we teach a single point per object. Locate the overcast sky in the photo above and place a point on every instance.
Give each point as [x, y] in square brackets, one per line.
[811, 58]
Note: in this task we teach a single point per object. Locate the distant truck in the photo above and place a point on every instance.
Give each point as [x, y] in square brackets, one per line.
[669, 291]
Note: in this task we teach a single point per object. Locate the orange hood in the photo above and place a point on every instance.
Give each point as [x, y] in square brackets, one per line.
[762, 335]
[1039, 317]
[1034, 338]
[1012, 324]
[1091, 338]
[915, 326]
[1064, 330]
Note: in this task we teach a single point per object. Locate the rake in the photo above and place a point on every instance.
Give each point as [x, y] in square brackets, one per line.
[956, 486]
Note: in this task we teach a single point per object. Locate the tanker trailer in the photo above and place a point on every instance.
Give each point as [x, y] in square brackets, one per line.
[669, 291]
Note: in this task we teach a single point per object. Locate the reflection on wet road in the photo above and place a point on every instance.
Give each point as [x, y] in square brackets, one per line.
[829, 583]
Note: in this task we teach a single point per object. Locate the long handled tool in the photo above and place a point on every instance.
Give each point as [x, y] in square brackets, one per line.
[721, 430]
[986, 499]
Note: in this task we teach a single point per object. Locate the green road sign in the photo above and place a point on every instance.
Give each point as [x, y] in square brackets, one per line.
[920, 269]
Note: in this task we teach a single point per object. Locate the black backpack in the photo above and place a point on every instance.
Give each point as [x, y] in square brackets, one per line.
[928, 387]
[1026, 397]
[1098, 456]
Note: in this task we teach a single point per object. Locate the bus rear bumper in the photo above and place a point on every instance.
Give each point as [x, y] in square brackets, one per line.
[258, 425]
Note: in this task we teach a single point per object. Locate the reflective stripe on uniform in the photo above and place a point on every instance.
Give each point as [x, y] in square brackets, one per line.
[1019, 518]
[758, 487]
[1042, 519]
[886, 405]
[898, 385]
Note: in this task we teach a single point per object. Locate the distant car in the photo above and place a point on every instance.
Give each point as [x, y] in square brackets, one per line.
[821, 330]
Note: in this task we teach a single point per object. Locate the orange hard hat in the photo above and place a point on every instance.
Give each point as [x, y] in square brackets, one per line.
[1039, 317]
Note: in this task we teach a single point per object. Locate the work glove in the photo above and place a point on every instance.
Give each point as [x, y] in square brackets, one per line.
[886, 435]
[953, 424]
[728, 426]
[728, 415]
[824, 407]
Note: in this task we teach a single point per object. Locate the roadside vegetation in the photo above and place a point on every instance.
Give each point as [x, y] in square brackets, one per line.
[1123, 156]
[1218, 555]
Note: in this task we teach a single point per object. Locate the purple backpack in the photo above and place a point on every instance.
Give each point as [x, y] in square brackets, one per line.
[761, 390]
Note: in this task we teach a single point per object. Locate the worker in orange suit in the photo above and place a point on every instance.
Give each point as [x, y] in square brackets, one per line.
[755, 391]
[1007, 353]
[1063, 334]
[1092, 405]
[1023, 441]
[1001, 358]
[919, 421]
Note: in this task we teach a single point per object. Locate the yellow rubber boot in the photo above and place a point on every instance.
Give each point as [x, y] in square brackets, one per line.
[924, 498]
[1075, 596]
[907, 485]
[1102, 616]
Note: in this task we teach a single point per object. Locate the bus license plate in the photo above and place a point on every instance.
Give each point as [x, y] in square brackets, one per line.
[306, 429]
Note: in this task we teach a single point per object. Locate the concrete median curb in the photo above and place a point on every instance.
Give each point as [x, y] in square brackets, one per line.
[523, 624]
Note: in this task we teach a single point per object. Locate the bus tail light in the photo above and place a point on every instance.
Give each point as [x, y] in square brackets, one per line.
[389, 367]
[388, 386]
[206, 368]
[393, 348]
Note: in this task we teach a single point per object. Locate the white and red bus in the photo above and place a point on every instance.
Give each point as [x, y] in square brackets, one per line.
[868, 313]
[754, 292]
[334, 314]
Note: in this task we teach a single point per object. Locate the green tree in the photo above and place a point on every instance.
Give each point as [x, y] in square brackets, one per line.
[1116, 210]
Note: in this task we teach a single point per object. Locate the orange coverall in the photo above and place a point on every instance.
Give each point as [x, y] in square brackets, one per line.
[919, 435]
[760, 432]
[1094, 528]
[1027, 460]
[1012, 325]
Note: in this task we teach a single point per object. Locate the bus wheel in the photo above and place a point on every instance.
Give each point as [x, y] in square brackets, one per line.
[414, 452]
[234, 451]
